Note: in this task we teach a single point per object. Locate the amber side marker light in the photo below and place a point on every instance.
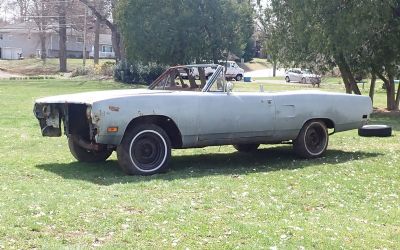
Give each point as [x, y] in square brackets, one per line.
[112, 129]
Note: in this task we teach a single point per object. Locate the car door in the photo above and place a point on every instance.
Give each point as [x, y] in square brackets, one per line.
[230, 70]
[292, 75]
[295, 76]
[228, 118]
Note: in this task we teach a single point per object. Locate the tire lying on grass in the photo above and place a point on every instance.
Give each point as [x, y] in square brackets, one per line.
[375, 130]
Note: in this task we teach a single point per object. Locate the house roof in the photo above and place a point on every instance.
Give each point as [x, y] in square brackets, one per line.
[31, 27]
[21, 28]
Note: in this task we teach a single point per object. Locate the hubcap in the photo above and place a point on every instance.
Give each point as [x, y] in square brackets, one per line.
[315, 139]
[148, 150]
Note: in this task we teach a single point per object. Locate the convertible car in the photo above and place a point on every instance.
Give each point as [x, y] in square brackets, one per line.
[142, 125]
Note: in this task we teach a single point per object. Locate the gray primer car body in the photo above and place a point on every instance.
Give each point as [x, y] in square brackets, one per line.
[206, 117]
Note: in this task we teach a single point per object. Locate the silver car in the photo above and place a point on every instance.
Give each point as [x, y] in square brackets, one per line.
[142, 125]
[302, 76]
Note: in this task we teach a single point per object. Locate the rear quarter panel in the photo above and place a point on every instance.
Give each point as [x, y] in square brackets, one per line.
[296, 108]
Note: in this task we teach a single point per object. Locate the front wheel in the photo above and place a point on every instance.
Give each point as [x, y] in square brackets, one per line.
[312, 140]
[84, 155]
[287, 79]
[144, 150]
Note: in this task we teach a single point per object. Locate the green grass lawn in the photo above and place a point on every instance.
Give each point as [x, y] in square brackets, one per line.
[255, 64]
[214, 198]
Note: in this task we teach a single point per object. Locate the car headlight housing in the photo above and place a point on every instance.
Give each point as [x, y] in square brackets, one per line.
[89, 112]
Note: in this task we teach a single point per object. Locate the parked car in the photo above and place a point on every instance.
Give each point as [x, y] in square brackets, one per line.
[233, 71]
[302, 76]
[142, 125]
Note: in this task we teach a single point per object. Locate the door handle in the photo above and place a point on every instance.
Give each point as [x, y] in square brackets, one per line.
[268, 101]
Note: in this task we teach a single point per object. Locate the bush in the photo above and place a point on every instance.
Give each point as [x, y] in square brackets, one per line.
[137, 72]
[107, 69]
[82, 71]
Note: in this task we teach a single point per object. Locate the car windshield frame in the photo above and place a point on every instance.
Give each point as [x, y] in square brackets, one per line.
[209, 83]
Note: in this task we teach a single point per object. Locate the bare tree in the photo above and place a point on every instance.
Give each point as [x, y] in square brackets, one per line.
[23, 6]
[96, 42]
[103, 17]
[62, 33]
[39, 10]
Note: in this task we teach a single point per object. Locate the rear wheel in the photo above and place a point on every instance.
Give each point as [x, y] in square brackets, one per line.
[287, 79]
[144, 150]
[84, 155]
[238, 78]
[312, 140]
[246, 147]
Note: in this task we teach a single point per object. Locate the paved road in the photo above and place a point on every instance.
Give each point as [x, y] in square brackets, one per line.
[264, 73]
[4, 74]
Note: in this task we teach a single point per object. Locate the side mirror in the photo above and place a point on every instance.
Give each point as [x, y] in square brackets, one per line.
[229, 87]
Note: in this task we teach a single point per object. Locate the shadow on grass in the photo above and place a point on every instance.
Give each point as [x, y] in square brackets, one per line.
[200, 165]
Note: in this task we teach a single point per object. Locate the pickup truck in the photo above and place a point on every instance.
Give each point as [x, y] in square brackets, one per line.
[232, 71]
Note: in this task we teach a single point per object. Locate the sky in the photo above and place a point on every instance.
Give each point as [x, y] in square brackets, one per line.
[7, 13]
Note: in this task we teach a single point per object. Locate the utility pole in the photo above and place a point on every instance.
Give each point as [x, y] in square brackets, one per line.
[84, 39]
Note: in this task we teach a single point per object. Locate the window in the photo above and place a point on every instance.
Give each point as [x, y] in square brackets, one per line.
[79, 39]
[1, 36]
[106, 48]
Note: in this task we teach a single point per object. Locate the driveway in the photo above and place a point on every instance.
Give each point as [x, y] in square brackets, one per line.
[265, 73]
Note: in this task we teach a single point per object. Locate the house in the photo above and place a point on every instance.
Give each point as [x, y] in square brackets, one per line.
[25, 37]
[106, 49]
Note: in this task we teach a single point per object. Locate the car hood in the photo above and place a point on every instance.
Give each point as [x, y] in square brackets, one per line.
[92, 97]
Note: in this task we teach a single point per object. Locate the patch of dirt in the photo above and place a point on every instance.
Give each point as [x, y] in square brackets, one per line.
[4, 74]
[383, 111]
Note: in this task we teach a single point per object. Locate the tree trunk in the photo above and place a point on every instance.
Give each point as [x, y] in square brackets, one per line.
[391, 105]
[397, 98]
[390, 90]
[352, 80]
[43, 54]
[391, 93]
[115, 35]
[345, 78]
[192, 81]
[348, 78]
[116, 43]
[372, 87]
[202, 76]
[96, 42]
[63, 39]
[274, 68]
